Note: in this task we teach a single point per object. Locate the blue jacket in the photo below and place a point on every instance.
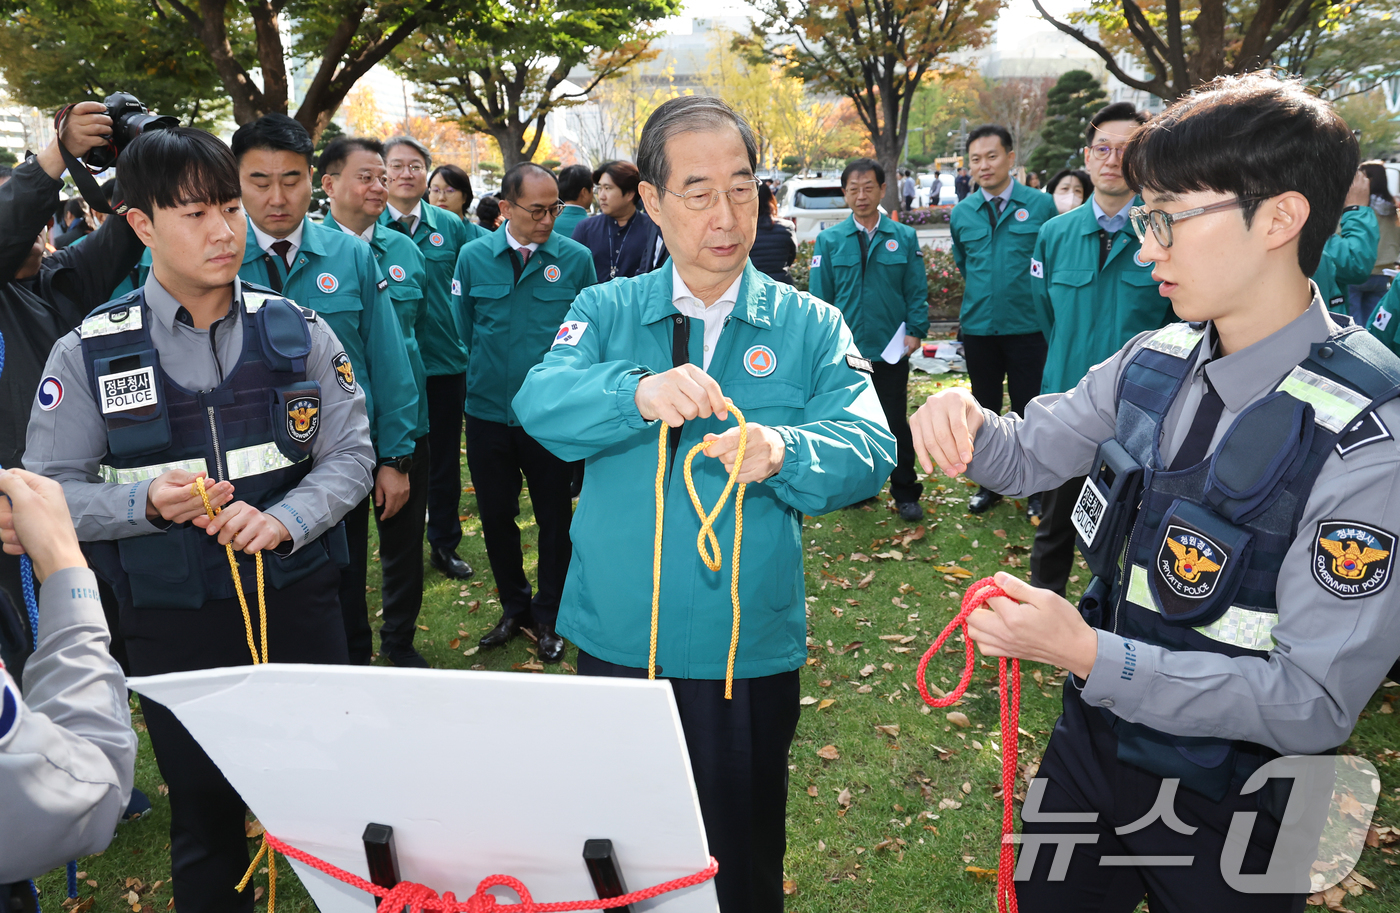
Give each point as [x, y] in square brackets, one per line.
[787, 361]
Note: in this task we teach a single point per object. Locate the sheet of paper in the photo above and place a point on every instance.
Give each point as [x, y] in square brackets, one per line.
[479, 773]
[894, 351]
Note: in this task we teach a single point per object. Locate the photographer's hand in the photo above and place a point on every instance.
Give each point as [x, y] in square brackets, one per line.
[86, 127]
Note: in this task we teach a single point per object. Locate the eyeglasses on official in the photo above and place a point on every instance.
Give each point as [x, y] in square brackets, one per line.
[1161, 222]
[414, 168]
[364, 178]
[539, 212]
[740, 194]
[1102, 151]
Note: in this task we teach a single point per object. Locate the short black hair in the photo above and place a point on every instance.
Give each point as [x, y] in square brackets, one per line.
[277, 132]
[1086, 184]
[573, 181]
[457, 178]
[860, 166]
[986, 130]
[488, 209]
[1119, 110]
[1256, 137]
[623, 173]
[514, 179]
[163, 169]
[340, 148]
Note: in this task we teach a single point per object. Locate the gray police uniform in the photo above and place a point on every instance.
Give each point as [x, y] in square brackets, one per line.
[67, 748]
[137, 390]
[1247, 618]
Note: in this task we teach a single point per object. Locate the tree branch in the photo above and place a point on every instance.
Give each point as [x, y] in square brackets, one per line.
[1157, 86]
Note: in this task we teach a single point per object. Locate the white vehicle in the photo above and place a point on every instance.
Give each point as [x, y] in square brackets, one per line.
[813, 204]
[947, 196]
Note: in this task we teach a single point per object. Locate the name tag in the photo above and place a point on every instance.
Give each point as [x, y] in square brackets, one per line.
[128, 390]
[1089, 511]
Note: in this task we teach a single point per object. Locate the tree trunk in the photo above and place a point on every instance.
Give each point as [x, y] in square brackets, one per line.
[510, 137]
[887, 154]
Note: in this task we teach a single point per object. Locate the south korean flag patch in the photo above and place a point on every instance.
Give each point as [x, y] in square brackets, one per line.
[569, 333]
[1037, 269]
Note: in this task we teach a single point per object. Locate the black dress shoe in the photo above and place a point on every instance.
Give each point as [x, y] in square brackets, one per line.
[449, 565]
[501, 634]
[551, 645]
[982, 502]
[910, 511]
[1033, 510]
[406, 658]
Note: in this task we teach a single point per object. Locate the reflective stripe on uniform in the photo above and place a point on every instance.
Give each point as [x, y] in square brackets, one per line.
[251, 461]
[142, 473]
[1176, 339]
[1334, 406]
[1239, 626]
[103, 324]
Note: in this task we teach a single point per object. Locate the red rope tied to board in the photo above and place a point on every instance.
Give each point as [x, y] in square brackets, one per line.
[973, 599]
[419, 898]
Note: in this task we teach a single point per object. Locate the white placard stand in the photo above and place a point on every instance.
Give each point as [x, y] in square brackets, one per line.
[478, 773]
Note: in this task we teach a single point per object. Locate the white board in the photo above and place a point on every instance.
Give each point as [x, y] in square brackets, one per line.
[478, 773]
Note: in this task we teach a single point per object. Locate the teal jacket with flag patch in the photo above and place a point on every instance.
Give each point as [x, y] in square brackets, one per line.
[996, 263]
[337, 276]
[788, 361]
[877, 286]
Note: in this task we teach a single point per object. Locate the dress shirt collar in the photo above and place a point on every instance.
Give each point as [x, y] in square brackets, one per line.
[265, 240]
[416, 212]
[510, 239]
[366, 235]
[1242, 377]
[169, 311]
[1110, 224]
[680, 292]
[1005, 195]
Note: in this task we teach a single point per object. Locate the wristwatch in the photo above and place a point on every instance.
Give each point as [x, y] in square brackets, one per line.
[402, 464]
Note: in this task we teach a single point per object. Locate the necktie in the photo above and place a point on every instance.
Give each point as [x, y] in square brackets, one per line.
[525, 253]
[1193, 449]
[994, 207]
[281, 249]
[406, 225]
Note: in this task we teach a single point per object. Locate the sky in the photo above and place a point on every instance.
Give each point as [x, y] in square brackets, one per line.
[1019, 19]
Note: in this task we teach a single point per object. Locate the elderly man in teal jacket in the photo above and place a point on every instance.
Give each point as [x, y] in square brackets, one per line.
[871, 268]
[994, 232]
[654, 361]
[513, 288]
[1093, 292]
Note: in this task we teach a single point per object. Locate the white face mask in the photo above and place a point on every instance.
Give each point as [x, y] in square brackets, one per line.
[1065, 200]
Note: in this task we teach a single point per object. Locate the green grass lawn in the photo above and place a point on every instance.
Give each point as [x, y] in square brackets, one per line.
[894, 822]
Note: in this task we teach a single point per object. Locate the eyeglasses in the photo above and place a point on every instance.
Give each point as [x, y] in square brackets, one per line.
[1103, 151]
[1161, 222]
[740, 194]
[539, 212]
[415, 169]
[364, 178]
[443, 191]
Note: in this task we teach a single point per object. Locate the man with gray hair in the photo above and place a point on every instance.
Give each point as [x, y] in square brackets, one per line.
[657, 361]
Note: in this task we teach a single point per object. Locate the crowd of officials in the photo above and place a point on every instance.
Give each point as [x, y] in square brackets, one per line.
[317, 371]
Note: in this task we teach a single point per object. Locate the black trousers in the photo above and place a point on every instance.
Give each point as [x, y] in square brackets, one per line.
[1019, 359]
[739, 755]
[1052, 553]
[208, 846]
[400, 562]
[447, 393]
[891, 384]
[1083, 774]
[499, 456]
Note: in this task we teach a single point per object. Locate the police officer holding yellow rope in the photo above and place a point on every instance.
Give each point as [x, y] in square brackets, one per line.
[675, 347]
[195, 375]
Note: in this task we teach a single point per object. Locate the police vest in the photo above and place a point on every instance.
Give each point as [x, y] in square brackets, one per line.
[1201, 546]
[255, 429]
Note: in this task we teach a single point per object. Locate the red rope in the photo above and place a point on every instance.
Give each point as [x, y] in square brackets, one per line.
[419, 897]
[973, 599]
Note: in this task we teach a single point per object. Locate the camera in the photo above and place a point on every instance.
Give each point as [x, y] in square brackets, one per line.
[129, 120]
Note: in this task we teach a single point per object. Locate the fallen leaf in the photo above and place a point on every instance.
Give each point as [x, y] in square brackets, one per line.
[132, 897]
[888, 667]
[454, 643]
[857, 556]
[807, 701]
[865, 581]
[254, 828]
[826, 702]
[812, 791]
[954, 570]
[470, 651]
[999, 533]
[890, 730]
[473, 606]
[959, 719]
[982, 874]
[844, 798]
[422, 627]
[966, 788]
[828, 752]
[890, 555]
[899, 638]
[789, 887]
[853, 645]
[867, 670]
[864, 689]
[949, 803]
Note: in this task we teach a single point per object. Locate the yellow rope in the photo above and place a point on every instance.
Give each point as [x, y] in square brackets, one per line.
[213, 511]
[709, 551]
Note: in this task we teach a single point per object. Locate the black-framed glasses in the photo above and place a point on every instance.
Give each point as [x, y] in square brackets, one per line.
[1102, 151]
[740, 194]
[539, 212]
[1161, 222]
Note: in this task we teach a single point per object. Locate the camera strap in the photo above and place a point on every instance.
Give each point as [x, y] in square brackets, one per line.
[82, 177]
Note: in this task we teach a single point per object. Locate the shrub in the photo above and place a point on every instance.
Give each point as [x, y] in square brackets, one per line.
[945, 283]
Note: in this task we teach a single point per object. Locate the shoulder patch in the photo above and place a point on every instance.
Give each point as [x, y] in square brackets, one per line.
[1352, 560]
[1037, 268]
[457, 287]
[1369, 430]
[50, 393]
[309, 314]
[107, 323]
[569, 333]
[344, 372]
[1382, 319]
[816, 260]
[862, 365]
